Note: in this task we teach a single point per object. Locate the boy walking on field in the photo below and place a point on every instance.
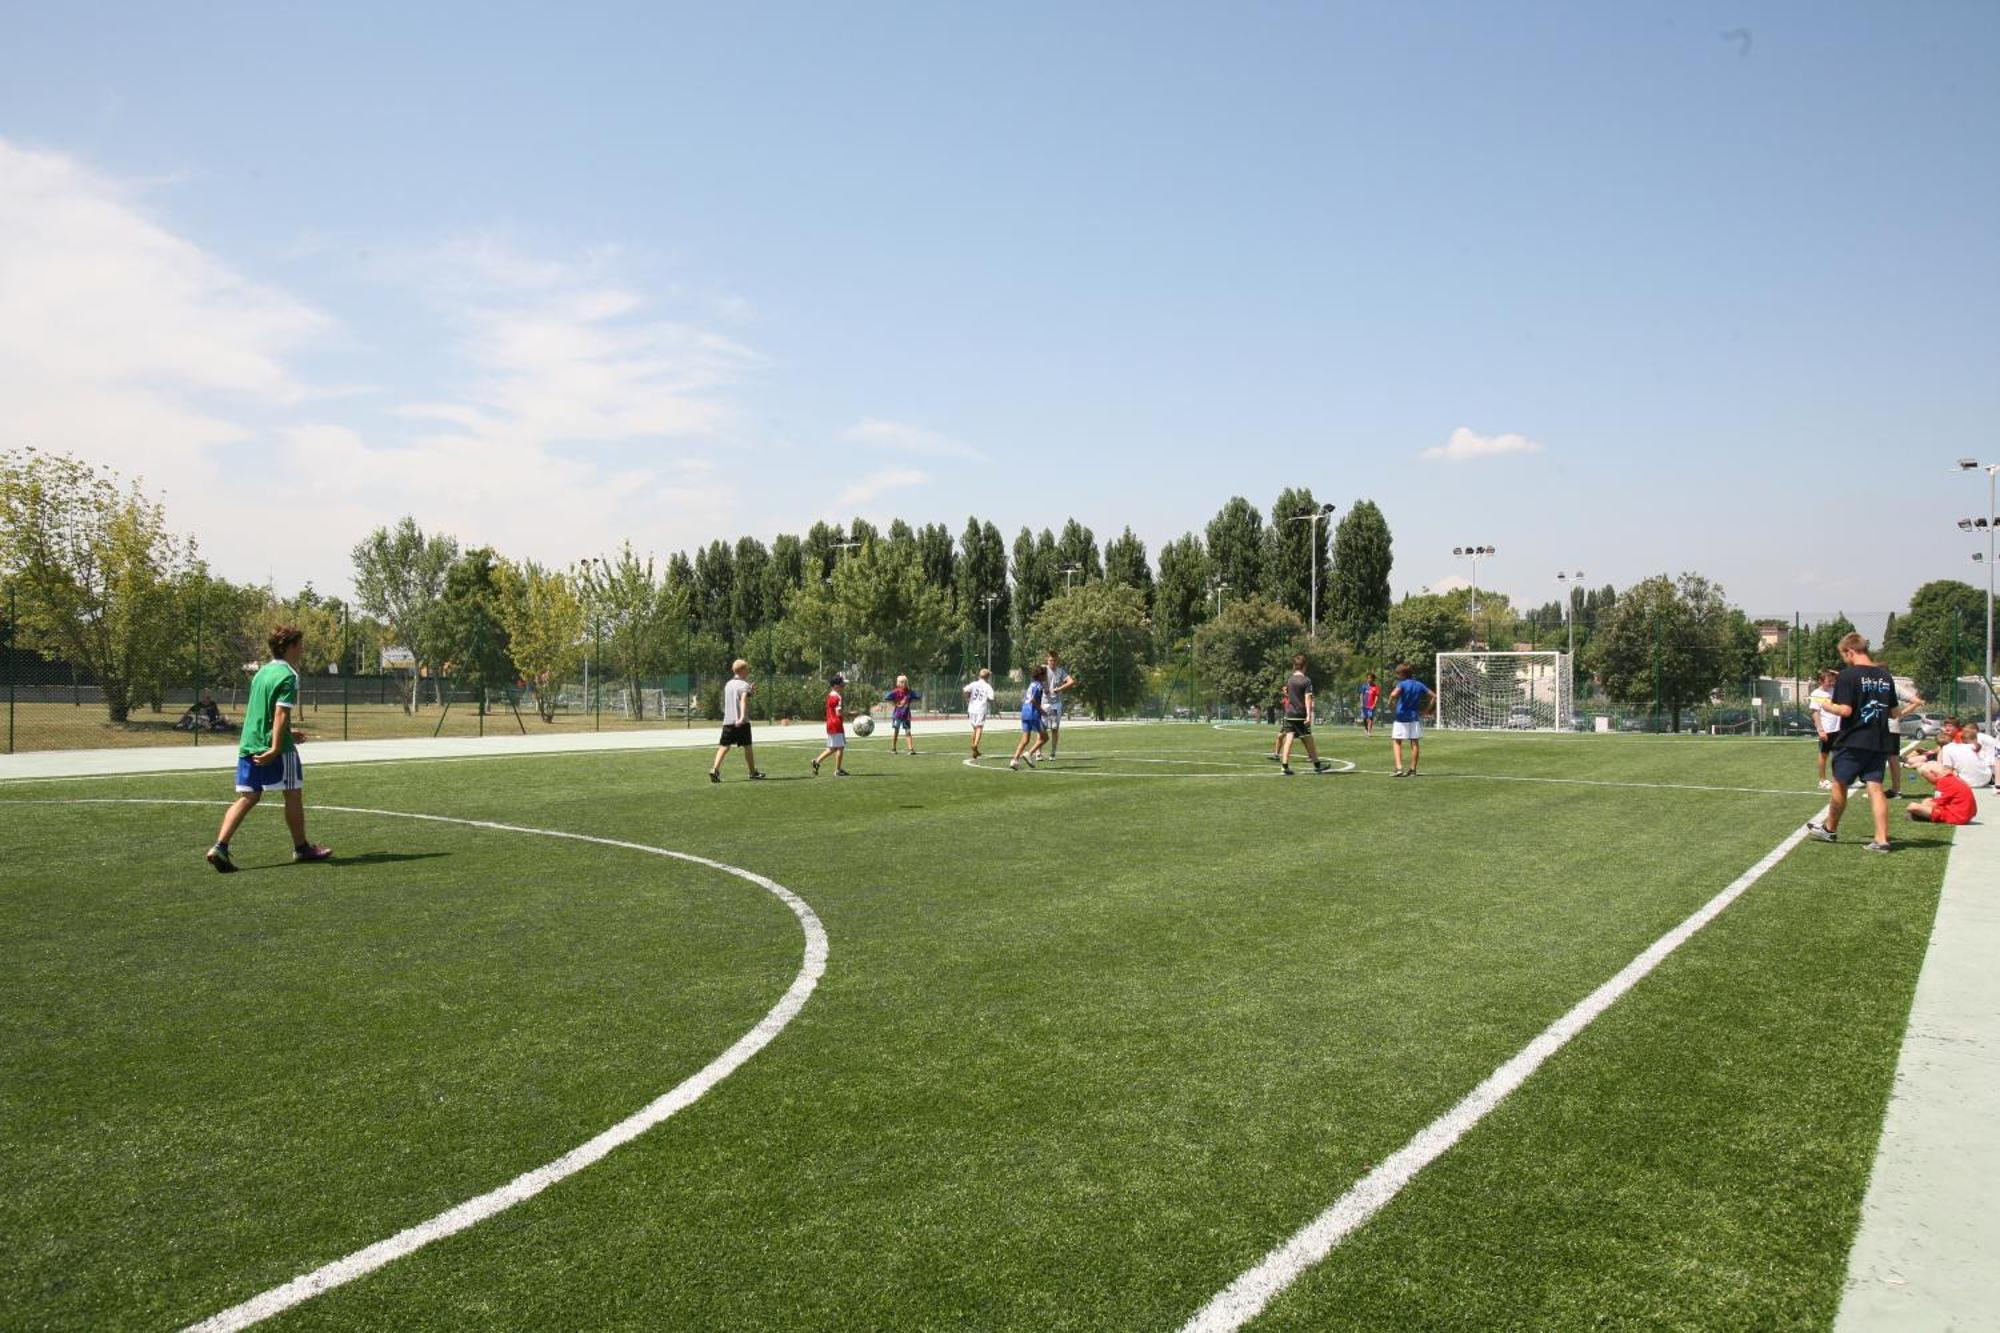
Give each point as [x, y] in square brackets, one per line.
[1298, 719]
[1825, 722]
[1864, 699]
[978, 702]
[736, 721]
[1407, 696]
[836, 729]
[1371, 694]
[267, 756]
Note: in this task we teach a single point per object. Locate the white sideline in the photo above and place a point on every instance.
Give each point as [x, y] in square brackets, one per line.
[1242, 1300]
[528, 1184]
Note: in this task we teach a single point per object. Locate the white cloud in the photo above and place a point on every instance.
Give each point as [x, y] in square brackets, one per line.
[874, 486]
[566, 413]
[901, 437]
[1464, 444]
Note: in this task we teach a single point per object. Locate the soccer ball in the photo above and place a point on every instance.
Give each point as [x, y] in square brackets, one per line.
[864, 725]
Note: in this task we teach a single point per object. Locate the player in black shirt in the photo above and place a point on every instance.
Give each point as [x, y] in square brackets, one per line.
[1864, 698]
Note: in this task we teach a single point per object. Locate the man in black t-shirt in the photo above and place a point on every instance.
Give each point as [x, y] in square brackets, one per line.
[1864, 698]
[1298, 719]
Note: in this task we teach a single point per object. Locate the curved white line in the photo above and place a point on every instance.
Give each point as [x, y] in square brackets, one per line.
[529, 1184]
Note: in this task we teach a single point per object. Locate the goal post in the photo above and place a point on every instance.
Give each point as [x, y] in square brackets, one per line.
[1505, 691]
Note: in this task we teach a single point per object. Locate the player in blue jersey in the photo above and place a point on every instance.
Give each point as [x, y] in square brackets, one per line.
[1033, 732]
[1410, 698]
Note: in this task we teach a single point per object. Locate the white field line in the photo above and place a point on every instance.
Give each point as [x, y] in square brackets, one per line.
[530, 1183]
[1250, 771]
[1242, 1300]
[1605, 782]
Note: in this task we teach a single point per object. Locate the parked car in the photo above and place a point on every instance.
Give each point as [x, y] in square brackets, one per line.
[1926, 725]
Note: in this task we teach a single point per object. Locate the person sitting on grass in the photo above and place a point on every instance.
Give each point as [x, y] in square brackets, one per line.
[1953, 803]
[267, 757]
[1961, 754]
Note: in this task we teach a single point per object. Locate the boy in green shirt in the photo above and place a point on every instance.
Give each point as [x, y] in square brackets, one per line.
[267, 758]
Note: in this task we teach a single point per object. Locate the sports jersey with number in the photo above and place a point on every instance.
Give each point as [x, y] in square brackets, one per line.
[1031, 703]
[275, 686]
[979, 696]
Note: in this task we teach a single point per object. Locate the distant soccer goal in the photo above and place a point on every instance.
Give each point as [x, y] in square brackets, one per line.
[1505, 691]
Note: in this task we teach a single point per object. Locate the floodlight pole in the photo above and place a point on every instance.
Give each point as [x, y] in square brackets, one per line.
[1312, 521]
[1475, 554]
[1569, 602]
[990, 599]
[1067, 571]
[1991, 520]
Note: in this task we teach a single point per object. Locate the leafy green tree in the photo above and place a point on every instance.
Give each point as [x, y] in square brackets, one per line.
[714, 591]
[227, 624]
[471, 634]
[95, 571]
[1357, 591]
[748, 608]
[880, 607]
[982, 571]
[1822, 644]
[1236, 546]
[1294, 550]
[1101, 632]
[1674, 642]
[1422, 626]
[643, 621]
[1180, 600]
[399, 575]
[1125, 562]
[820, 549]
[1037, 578]
[939, 561]
[784, 575]
[1076, 550]
[1245, 653]
[543, 612]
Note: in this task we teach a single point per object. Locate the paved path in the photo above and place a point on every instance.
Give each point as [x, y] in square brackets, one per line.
[221, 757]
[1928, 1252]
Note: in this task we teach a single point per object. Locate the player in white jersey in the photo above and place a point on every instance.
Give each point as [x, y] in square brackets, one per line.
[1060, 682]
[978, 694]
[735, 721]
[1826, 725]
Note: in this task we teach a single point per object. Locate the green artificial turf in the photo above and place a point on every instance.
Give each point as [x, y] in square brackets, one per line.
[1090, 1041]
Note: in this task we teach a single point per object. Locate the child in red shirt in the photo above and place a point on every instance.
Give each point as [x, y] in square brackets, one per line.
[836, 729]
[1953, 804]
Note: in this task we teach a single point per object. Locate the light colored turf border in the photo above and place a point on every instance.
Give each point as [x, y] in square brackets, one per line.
[1250, 771]
[1245, 1298]
[527, 1185]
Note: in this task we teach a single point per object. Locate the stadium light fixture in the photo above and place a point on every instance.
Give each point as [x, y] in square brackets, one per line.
[990, 599]
[1987, 524]
[1475, 554]
[1572, 583]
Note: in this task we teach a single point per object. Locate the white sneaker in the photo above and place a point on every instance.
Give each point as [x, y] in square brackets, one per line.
[1825, 784]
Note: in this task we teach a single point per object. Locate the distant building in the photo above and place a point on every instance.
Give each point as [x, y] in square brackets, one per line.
[1772, 634]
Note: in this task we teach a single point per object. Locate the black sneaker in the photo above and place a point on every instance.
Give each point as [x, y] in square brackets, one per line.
[1286, 769]
[815, 768]
[714, 776]
[1273, 758]
[219, 858]
[1321, 765]
[1877, 847]
[1819, 832]
[312, 852]
[756, 777]
[840, 772]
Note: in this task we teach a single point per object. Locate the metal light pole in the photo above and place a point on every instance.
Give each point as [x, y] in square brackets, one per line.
[1572, 582]
[1990, 522]
[990, 599]
[1475, 554]
[1068, 570]
[1312, 520]
[1220, 586]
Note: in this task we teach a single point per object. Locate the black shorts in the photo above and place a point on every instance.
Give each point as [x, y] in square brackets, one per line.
[1864, 765]
[1298, 726]
[736, 733]
[1826, 745]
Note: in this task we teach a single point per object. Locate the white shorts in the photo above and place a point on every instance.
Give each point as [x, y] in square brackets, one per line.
[978, 717]
[1406, 731]
[836, 740]
[1052, 720]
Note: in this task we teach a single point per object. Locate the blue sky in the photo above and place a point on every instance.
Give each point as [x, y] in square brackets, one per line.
[1692, 286]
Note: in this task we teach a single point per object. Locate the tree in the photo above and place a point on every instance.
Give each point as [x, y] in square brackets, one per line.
[1822, 644]
[880, 607]
[543, 613]
[1357, 591]
[934, 553]
[1180, 601]
[1236, 546]
[982, 572]
[399, 575]
[471, 634]
[1673, 643]
[714, 590]
[1294, 550]
[784, 575]
[229, 623]
[1037, 577]
[1076, 552]
[1421, 627]
[95, 571]
[1245, 653]
[642, 620]
[748, 607]
[1125, 562]
[820, 549]
[1101, 634]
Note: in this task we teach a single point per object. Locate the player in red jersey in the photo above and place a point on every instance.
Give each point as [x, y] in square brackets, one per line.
[836, 729]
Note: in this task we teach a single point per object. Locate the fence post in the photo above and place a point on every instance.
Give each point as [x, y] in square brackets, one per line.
[597, 696]
[7, 643]
[198, 720]
[346, 669]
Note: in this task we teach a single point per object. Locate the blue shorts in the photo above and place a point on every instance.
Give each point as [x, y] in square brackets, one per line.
[281, 774]
[1368, 714]
[1866, 765]
[898, 723]
[1031, 726]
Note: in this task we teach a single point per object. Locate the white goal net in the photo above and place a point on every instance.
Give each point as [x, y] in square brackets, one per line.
[1505, 691]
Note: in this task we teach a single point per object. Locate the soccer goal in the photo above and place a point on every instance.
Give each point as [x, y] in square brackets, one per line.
[1505, 691]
